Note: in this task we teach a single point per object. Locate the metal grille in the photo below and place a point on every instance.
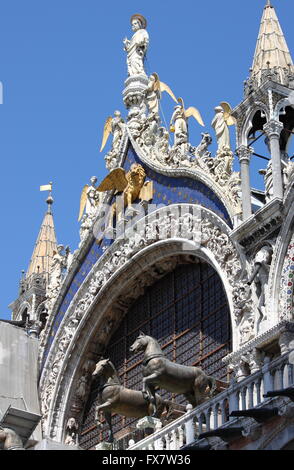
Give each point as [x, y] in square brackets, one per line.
[187, 312]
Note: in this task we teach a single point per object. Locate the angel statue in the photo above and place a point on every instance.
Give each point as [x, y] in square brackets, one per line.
[131, 184]
[136, 48]
[179, 122]
[222, 119]
[89, 199]
[114, 126]
[153, 93]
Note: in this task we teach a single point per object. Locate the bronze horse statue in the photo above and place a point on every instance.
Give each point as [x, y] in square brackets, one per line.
[114, 398]
[160, 372]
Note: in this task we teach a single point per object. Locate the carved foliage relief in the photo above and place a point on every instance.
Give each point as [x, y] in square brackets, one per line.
[207, 233]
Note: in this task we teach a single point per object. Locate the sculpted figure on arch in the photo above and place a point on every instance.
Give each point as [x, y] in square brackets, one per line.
[179, 122]
[220, 123]
[260, 275]
[136, 47]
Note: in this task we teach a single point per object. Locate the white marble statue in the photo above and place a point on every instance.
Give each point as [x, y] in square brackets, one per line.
[59, 263]
[71, 432]
[221, 129]
[260, 274]
[137, 46]
[117, 128]
[89, 199]
[153, 95]
[92, 197]
[178, 123]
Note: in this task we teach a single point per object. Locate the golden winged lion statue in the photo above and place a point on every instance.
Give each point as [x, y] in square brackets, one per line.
[131, 184]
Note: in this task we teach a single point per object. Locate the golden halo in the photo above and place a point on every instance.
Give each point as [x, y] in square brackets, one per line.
[141, 18]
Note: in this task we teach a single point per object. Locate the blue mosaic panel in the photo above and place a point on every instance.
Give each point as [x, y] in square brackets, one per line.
[167, 190]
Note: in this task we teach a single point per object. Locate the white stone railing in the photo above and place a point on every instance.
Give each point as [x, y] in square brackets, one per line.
[215, 412]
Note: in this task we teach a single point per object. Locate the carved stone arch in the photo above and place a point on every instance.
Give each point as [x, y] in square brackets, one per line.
[288, 119]
[247, 126]
[281, 271]
[24, 306]
[282, 104]
[80, 328]
[40, 309]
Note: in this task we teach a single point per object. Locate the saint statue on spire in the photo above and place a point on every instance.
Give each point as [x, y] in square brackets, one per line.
[136, 47]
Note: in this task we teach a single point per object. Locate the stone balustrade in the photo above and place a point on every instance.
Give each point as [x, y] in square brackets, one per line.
[248, 393]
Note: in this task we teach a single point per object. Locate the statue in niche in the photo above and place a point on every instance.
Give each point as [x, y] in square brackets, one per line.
[220, 123]
[260, 274]
[71, 432]
[136, 47]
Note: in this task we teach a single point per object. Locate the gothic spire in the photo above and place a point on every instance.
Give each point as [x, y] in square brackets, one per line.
[272, 52]
[45, 245]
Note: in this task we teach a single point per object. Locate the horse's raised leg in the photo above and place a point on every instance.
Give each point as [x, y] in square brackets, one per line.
[149, 391]
[110, 437]
[100, 408]
[153, 401]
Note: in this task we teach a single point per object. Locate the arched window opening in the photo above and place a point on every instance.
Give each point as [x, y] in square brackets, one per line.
[25, 316]
[188, 313]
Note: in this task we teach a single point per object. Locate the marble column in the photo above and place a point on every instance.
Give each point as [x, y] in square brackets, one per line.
[244, 154]
[273, 130]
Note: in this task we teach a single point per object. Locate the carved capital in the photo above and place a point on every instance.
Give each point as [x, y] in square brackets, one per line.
[244, 154]
[273, 128]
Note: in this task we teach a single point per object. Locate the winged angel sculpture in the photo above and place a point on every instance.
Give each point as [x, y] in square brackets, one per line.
[131, 184]
[89, 199]
[115, 126]
[222, 119]
[179, 122]
[154, 90]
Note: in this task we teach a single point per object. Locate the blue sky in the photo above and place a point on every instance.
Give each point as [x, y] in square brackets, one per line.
[62, 67]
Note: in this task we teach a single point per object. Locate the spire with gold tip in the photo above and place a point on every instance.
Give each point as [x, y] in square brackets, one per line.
[46, 243]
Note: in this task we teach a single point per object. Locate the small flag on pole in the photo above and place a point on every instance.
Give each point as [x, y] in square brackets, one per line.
[46, 187]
